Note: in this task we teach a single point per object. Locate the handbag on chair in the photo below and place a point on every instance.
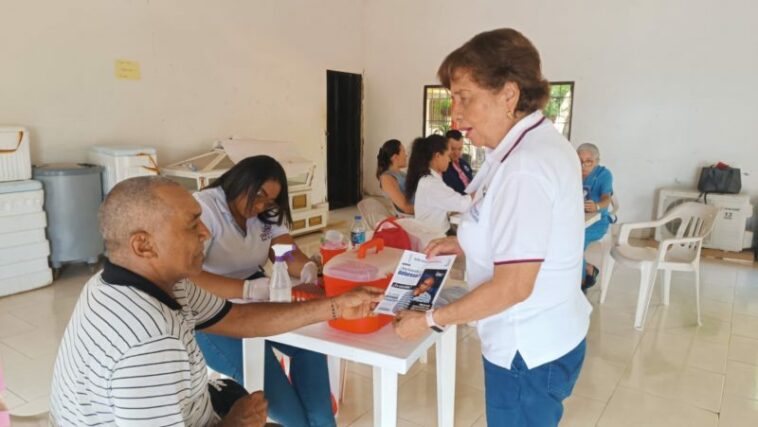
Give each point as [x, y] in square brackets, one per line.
[393, 234]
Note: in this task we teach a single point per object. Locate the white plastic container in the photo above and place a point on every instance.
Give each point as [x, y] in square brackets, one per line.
[15, 158]
[24, 248]
[22, 238]
[122, 162]
[21, 197]
[17, 223]
[26, 282]
[27, 252]
[21, 207]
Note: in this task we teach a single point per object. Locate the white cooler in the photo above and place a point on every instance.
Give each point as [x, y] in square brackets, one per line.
[122, 162]
[15, 160]
[23, 246]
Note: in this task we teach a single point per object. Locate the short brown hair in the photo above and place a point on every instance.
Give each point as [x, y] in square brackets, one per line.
[496, 57]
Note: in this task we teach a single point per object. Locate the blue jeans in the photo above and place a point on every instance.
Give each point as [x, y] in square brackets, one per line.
[522, 397]
[306, 402]
[592, 234]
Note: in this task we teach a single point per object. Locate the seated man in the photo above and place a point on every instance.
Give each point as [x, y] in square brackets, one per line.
[598, 190]
[458, 174]
[129, 356]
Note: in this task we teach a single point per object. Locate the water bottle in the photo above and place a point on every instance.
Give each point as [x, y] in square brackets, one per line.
[281, 286]
[358, 232]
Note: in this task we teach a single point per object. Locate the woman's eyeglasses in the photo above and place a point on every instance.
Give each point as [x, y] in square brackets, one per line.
[268, 204]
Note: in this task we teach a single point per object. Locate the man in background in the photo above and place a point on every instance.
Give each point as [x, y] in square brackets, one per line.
[459, 174]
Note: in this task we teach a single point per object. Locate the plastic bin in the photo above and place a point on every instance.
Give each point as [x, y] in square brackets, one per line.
[73, 193]
[15, 159]
[327, 253]
[361, 268]
[122, 162]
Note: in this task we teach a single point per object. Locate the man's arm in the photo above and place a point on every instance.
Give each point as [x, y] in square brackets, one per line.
[221, 286]
[266, 319]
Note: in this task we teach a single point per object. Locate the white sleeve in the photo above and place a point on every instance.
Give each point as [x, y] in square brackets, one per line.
[278, 230]
[445, 197]
[209, 215]
[521, 221]
[208, 308]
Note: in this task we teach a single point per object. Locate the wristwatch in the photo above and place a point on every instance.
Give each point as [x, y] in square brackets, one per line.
[431, 323]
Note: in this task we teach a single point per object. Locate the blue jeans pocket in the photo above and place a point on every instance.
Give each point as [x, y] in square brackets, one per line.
[563, 373]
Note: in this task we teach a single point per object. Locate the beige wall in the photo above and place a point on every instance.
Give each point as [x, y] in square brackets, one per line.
[661, 87]
[210, 69]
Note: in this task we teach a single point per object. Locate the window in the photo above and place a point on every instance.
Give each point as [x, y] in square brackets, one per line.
[558, 108]
[438, 105]
[437, 119]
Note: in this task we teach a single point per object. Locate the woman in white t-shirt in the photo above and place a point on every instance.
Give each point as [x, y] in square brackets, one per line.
[246, 211]
[433, 199]
[523, 236]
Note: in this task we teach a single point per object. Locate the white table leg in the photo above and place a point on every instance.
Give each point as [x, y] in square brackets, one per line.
[446, 348]
[253, 363]
[385, 397]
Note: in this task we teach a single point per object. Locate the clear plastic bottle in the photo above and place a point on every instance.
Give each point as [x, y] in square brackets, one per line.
[358, 232]
[281, 286]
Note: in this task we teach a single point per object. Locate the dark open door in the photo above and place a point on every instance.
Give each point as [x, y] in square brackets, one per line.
[344, 95]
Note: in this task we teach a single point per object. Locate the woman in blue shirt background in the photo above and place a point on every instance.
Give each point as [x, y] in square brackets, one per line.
[598, 190]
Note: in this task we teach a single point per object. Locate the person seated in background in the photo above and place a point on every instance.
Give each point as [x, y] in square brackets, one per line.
[459, 174]
[434, 200]
[390, 161]
[129, 356]
[598, 190]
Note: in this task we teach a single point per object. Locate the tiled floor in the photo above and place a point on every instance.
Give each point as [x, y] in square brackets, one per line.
[672, 374]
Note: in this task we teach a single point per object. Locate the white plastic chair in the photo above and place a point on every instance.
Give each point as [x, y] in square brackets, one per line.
[373, 211]
[606, 243]
[681, 253]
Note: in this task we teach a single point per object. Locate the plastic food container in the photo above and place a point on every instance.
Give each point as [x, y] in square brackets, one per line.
[330, 251]
[371, 265]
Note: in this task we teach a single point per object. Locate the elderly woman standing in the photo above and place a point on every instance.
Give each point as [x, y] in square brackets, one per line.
[522, 237]
[598, 190]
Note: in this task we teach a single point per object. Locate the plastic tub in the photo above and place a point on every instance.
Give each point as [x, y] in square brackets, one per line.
[329, 253]
[15, 160]
[122, 162]
[361, 268]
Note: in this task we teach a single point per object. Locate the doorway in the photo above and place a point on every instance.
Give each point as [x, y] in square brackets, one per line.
[344, 138]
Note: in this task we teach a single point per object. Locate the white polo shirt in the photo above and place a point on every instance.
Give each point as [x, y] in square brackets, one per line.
[230, 251]
[529, 208]
[434, 200]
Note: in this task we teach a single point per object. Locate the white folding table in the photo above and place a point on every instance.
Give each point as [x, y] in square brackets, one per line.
[384, 350]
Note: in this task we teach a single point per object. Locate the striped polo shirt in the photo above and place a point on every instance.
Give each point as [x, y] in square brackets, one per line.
[129, 356]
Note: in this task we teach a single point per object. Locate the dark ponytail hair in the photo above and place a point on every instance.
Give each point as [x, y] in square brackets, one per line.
[384, 158]
[247, 177]
[422, 153]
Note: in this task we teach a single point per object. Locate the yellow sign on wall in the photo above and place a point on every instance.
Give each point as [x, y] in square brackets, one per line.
[127, 70]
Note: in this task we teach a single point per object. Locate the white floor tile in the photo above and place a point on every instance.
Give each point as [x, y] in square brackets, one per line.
[632, 408]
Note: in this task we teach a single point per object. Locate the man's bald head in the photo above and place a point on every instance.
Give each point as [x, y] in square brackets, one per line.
[135, 204]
